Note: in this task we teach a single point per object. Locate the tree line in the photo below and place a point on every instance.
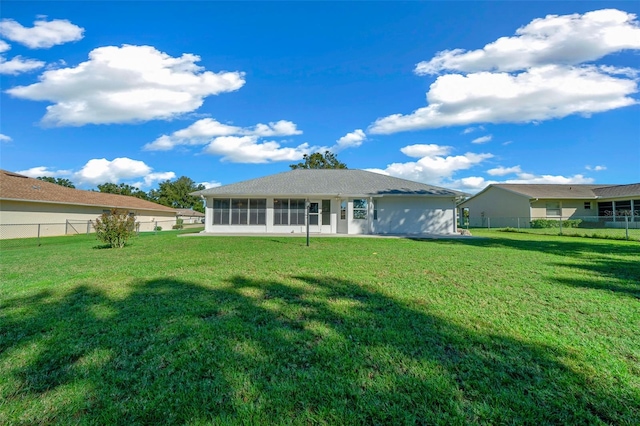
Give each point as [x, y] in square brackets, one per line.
[175, 193]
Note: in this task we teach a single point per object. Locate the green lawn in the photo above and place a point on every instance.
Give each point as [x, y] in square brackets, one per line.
[508, 329]
[608, 233]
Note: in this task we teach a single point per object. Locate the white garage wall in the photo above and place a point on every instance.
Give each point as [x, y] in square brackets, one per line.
[414, 215]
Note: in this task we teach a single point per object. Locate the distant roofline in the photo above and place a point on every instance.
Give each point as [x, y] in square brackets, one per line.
[28, 200]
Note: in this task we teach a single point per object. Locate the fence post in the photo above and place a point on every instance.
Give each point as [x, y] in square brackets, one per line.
[88, 225]
[560, 225]
[518, 224]
[155, 228]
[626, 226]
[488, 223]
[38, 234]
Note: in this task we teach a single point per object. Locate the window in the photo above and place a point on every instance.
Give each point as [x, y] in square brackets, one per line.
[258, 212]
[623, 208]
[220, 211]
[326, 212]
[239, 211]
[553, 209]
[297, 212]
[605, 209]
[587, 205]
[343, 210]
[636, 208]
[288, 212]
[359, 209]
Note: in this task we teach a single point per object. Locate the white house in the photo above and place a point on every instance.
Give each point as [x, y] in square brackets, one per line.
[339, 201]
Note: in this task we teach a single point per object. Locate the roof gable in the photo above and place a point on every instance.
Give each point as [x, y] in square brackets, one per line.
[344, 182]
[14, 186]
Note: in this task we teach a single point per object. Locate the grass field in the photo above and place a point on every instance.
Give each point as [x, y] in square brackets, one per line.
[607, 233]
[507, 329]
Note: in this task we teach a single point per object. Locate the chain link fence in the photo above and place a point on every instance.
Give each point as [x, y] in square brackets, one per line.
[616, 227]
[36, 234]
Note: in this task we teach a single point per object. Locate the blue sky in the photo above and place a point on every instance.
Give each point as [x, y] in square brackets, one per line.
[456, 94]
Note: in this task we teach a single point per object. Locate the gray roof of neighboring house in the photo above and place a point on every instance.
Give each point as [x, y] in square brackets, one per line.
[344, 182]
[631, 190]
[189, 213]
[547, 191]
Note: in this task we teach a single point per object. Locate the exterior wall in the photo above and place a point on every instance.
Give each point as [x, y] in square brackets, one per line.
[396, 215]
[499, 206]
[569, 208]
[54, 217]
[414, 215]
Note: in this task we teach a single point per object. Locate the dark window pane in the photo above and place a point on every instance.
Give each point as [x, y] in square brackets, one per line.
[313, 219]
[326, 212]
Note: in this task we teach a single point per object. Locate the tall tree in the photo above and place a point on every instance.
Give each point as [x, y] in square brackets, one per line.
[122, 189]
[57, 181]
[176, 194]
[328, 160]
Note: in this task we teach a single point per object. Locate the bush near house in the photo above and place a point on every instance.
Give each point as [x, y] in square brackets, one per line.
[554, 223]
[179, 224]
[115, 227]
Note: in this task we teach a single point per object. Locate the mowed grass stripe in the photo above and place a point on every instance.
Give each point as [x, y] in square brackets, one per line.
[510, 328]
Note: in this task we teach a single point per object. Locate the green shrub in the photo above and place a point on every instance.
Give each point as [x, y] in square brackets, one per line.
[115, 227]
[179, 224]
[157, 228]
[555, 223]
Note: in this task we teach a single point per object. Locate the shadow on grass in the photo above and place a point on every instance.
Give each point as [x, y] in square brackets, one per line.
[303, 350]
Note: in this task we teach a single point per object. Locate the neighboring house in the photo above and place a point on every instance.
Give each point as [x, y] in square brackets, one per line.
[340, 201]
[190, 216]
[501, 205]
[27, 201]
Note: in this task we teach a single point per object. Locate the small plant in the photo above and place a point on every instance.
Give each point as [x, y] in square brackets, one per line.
[157, 228]
[115, 227]
[179, 224]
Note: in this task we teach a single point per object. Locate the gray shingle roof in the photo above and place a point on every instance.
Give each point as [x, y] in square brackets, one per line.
[631, 190]
[330, 182]
[549, 191]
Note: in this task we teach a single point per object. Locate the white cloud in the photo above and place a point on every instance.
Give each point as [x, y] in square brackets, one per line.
[350, 140]
[247, 149]
[541, 73]
[43, 34]
[565, 39]
[279, 128]
[42, 171]
[537, 94]
[101, 170]
[474, 184]
[425, 150]
[18, 65]
[5, 138]
[210, 184]
[126, 84]
[4, 46]
[435, 166]
[507, 143]
[482, 139]
[503, 171]
[202, 131]
[472, 129]
[596, 168]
